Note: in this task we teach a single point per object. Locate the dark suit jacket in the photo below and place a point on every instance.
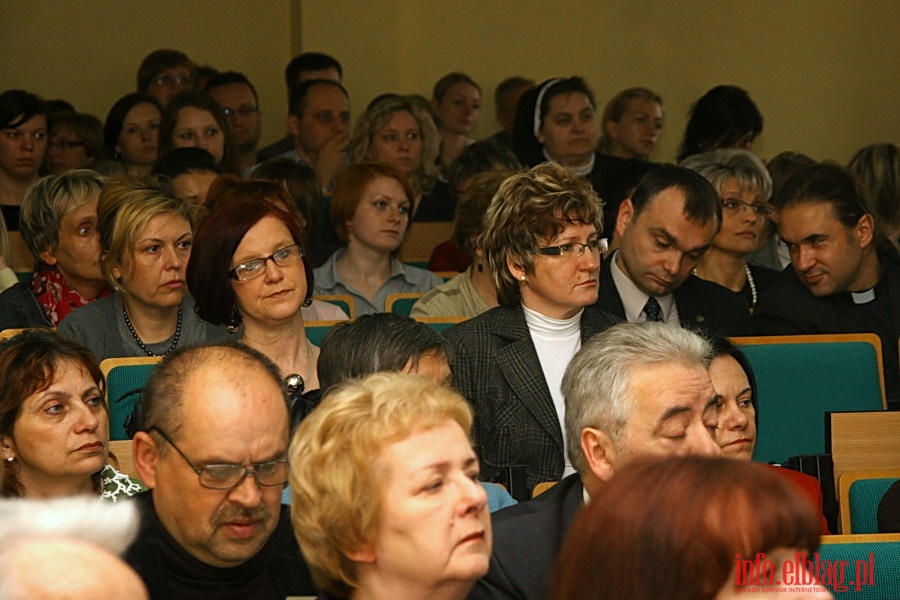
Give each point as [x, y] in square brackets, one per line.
[496, 367]
[527, 538]
[787, 307]
[702, 305]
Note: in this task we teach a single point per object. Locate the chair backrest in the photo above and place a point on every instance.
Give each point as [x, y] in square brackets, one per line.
[9, 333]
[440, 324]
[422, 238]
[860, 567]
[125, 380]
[343, 301]
[860, 441]
[860, 494]
[124, 463]
[401, 304]
[799, 378]
[541, 488]
[316, 330]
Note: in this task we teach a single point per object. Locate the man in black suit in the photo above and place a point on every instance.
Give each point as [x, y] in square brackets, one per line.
[840, 282]
[635, 389]
[665, 228]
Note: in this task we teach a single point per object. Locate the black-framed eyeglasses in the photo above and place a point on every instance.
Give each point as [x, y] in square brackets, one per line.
[242, 111]
[576, 248]
[227, 477]
[282, 257]
[735, 206]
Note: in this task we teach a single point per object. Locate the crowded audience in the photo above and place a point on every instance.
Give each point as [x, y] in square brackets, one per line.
[568, 335]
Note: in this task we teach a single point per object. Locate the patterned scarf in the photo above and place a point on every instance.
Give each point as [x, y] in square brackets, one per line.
[55, 296]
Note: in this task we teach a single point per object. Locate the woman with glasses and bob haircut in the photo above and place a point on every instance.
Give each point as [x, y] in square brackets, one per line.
[674, 528]
[386, 501]
[744, 186]
[542, 241]
[54, 428]
[248, 271]
[146, 236]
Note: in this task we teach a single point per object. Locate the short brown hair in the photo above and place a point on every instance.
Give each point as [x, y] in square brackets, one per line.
[529, 207]
[352, 185]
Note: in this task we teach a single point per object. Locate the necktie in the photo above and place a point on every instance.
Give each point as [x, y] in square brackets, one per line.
[653, 310]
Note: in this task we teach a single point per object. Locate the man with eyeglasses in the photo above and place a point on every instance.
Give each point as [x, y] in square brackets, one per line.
[665, 227]
[213, 451]
[237, 97]
[163, 73]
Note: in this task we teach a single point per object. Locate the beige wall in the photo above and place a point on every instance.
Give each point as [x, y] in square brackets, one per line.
[822, 71]
[88, 51]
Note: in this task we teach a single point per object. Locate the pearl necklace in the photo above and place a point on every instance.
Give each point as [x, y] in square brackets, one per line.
[750, 282]
[143, 346]
[294, 382]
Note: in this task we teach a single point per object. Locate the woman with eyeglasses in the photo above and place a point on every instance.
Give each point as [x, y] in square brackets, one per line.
[248, 272]
[744, 185]
[541, 239]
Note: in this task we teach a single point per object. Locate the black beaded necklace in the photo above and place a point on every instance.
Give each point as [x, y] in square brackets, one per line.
[143, 346]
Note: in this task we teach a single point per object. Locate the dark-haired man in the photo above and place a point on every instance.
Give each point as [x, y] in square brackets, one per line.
[303, 67]
[665, 228]
[839, 281]
[237, 97]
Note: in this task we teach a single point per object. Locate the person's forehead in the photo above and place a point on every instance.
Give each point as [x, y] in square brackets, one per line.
[229, 390]
[230, 91]
[323, 93]
[657, 389]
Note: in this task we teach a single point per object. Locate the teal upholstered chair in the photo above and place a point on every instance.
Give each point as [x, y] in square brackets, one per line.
[800, 378]
[125, 378]
[316, 330]
[860, 495]
[401, 304]
[875, 555]
[440, 324]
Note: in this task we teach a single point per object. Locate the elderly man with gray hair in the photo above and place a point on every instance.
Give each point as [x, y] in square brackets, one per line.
[636, 389]
[67, 548]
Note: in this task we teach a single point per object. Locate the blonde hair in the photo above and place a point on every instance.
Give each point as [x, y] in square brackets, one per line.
[336, 486]
[125, 207]
[377, 116]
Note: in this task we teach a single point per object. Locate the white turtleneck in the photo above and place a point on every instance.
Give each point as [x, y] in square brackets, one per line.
[556, 342]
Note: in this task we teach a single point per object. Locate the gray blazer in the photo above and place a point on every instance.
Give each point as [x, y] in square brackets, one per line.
[496, 367]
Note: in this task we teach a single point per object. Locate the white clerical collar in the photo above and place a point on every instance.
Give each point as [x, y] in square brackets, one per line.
[863, 297]
[579, 171]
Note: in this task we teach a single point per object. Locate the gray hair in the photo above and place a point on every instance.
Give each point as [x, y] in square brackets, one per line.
[111, 526]
[49, 200]
[597, 382]
[719, 165]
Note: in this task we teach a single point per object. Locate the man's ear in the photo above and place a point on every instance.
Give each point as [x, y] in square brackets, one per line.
[600, 452]
[293, 124]
[624, 216]
[865, 230]
[145, 453]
